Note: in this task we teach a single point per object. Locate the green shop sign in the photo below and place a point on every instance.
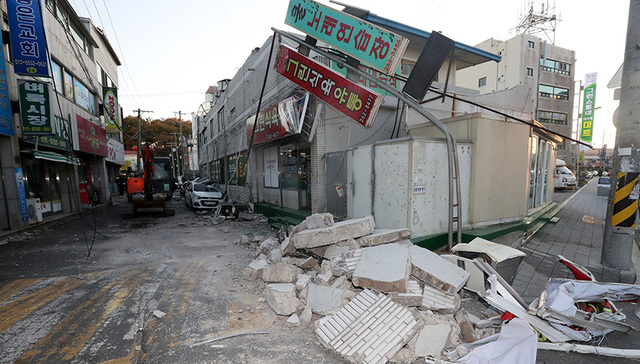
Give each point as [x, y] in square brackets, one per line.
[377, 47]
[35, 108]
[588, 108]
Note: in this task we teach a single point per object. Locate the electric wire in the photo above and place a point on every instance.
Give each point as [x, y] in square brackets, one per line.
[124, 62]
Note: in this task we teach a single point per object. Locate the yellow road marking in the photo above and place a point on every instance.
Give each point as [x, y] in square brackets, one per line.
[14, 287]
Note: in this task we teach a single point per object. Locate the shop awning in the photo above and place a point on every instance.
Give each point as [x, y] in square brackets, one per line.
[55, 157]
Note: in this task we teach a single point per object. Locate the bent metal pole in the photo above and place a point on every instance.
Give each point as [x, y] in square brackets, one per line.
[452, 153]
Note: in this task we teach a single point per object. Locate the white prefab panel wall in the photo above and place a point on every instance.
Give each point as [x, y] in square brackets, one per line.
[359, 175]
[392, 182]
[429, 209]
[411, 182]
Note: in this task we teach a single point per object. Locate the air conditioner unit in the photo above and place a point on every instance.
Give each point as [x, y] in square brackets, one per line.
[35, 210]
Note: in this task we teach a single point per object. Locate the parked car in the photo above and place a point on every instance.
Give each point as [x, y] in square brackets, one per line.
[563, 178]
[201, 196]
[604, 185]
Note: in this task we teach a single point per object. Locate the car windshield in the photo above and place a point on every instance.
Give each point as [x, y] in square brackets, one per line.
[205, 188]
[604, 181]
[564, 170]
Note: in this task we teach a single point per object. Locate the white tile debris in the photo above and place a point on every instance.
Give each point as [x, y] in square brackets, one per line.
[354, 228]
[435, 299]
[346, 263]
[370, 329]
[411, 298]
[327, 300]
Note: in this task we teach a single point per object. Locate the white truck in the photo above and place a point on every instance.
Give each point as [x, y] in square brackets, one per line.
[563, 177]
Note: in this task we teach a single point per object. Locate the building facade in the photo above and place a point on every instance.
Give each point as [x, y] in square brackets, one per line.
[546, 68]
[49, 173]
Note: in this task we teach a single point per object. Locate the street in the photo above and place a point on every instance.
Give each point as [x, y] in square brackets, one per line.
[60, 306]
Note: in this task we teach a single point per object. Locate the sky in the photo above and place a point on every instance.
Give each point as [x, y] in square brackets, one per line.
[172, 51]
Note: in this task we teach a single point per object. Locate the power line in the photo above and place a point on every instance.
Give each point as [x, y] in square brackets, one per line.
[124, 62]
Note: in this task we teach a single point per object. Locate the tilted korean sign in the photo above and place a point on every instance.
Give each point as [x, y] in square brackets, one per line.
[351, 99]
[27, 38]
[279, 120]
[60, 138]
[588, 108]
[35, 108]
[374, 46]
[111, 110]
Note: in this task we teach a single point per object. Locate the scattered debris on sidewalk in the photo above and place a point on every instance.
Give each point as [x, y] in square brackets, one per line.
[372, 296]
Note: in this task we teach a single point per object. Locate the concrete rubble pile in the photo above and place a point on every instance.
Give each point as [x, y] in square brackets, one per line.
[374, 297]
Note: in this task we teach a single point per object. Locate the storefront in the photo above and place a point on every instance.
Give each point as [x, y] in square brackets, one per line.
[114, 161]
[283, 156]
[48, 171]
[92, 150]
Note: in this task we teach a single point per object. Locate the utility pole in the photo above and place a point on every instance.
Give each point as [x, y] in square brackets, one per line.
[622, 205]
[139, 139]
[180, 146]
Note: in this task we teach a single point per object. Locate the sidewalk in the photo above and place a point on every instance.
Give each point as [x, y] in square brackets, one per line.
[577, 236]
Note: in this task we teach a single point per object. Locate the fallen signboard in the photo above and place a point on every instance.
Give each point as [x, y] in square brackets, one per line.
[351, 99]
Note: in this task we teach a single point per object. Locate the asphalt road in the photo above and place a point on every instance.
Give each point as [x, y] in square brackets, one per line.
[59, 304]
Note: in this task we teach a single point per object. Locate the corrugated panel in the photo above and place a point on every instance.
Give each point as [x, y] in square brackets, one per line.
[336, 167]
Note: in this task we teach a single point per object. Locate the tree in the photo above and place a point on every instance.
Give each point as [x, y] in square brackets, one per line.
[158, 132]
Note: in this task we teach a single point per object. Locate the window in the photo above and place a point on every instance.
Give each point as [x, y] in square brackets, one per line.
[220, 119]
[553, 92]
[82, 95]
[56, 70]
[559, 67]
[531, 44]
[482, 82]
[530, 72]
[550, 117]
[406, 66]
[68, 86]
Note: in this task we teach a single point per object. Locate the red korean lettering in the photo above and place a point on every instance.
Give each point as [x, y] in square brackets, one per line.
[328, 25]
[316, 20]
[342, 33]
[361, 40]
[380, 48]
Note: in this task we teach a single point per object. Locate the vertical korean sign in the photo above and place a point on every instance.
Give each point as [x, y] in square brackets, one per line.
[374, 46]
[22, 195]
[6, 120]
[27, 38]
[35, 108]
[111, 114]
[349, 98]
[589, 106]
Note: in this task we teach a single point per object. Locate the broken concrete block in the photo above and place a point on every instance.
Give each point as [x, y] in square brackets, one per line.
[436, 271]
[327, 300]
[466, 328]
[325, 266]
[281, 273]
[384, 267]
[346, 263]
[286, 246]
[324, 278]
[432, 339]
[384, 236]
[303, 281]
[315, 221]
[340, 247]
[436, 300]
[255, 269]
[411, 298]
[275, 255]
[159, 314]
[293, 320]
[268, 245]
[282, 298]
[306, 315]
[369, 329]
[343, 230]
